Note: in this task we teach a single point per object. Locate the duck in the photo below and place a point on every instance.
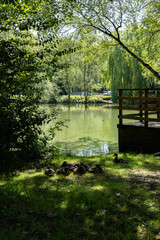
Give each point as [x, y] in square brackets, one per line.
[81, 164]
[84, 165]
[68, 165]
[119, 160]
[65, 164]
[99, 169]
[63, 170]
[96, 169]
[80, 169]
[50, 172]
[157, 154]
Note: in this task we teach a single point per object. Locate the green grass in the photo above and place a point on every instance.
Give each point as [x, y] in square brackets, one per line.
[122, 203]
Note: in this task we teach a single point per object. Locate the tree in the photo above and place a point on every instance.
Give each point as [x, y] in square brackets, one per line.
[122, 70]
[112, 18]
[87, 59]
[22, 73]
[25, 67]
[63, 55]
[81, 64]
[26, 15]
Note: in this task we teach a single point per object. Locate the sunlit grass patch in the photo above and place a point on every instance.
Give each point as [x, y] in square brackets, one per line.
[98, 188]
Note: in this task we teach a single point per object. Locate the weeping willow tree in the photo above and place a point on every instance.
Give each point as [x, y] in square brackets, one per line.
[122, 71]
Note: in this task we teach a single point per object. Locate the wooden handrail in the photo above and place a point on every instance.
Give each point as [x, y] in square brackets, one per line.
[139, 98]
[139, 108]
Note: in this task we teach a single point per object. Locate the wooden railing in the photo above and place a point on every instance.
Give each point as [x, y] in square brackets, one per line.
[145, 102]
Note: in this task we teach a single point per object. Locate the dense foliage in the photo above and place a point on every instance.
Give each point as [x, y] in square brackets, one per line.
[22, 72]
[122, 71]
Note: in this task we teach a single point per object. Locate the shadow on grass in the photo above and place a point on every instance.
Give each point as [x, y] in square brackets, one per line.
[13, 161]
[101, 206]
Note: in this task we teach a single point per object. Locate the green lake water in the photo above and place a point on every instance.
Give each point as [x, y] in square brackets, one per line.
[91, 131]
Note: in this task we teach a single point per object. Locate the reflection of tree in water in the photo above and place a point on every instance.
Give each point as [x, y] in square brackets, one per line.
[86, 146]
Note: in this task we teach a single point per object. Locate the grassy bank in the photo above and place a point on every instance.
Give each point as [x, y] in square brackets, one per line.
[81, 99]
[121, 203]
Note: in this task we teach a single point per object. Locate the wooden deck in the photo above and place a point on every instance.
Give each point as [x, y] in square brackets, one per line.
[143, 135]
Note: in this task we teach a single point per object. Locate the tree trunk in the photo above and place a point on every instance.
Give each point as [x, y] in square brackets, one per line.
[69, 89]
[85, 85]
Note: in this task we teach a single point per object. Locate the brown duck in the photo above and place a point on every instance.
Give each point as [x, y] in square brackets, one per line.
[68, 165]
[50, 172]
[157, 154]
[96, 169]
[79, 169]
[119, 160]
[63, 170]
[65, 164]
[81, 164]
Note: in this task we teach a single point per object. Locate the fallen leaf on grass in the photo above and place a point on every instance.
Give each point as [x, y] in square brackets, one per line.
[118, 194]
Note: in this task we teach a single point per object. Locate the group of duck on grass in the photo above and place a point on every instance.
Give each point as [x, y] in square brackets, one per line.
[80, 168]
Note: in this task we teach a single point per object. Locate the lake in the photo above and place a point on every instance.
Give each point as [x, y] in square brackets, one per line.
[91, 131]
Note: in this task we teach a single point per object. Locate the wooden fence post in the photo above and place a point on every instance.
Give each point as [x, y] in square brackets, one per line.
[146, 107]
[158, 104]
[120, 107]
[141, 104]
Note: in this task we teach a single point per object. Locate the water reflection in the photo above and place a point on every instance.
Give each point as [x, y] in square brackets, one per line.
[85, 147]
[91, 131]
